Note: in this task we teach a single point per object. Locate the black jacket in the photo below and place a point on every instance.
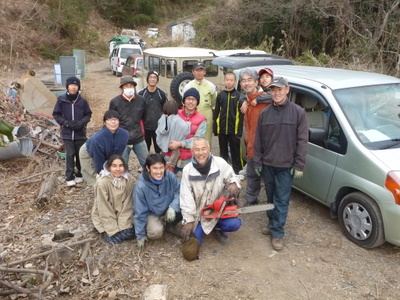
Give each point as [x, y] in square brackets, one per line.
[131, 114]
[228, 119]
[66, 111]
[154, 104]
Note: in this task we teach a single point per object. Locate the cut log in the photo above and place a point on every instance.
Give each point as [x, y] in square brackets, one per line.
[47, 189]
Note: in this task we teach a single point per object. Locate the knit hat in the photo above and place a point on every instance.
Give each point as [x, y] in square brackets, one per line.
[127, 79]
[152, 72]
[266, 70]
[191, 249]
[191, 92]
[73, 80]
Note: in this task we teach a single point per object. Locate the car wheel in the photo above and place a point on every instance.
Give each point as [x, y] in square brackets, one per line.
[113, 72]
[178, 85]
[360, 220]
[119, 74]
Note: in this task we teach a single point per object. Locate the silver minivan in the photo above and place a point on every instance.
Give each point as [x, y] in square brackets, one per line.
[353, 160]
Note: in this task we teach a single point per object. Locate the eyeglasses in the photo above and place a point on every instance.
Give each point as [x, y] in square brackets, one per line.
[112, 120]
[247, 80]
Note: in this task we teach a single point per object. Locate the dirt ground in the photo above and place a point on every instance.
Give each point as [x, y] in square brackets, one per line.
[317, 262]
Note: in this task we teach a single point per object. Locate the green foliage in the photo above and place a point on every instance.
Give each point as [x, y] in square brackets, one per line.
[309, 59]
[49, 52]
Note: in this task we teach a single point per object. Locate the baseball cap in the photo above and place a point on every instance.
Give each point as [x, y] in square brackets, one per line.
[199, 65]
[279, 82]
[266, 70]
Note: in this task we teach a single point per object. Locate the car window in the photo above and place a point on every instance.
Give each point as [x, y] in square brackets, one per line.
[373, 113]
[139, 64]
[171, 68]
[162, 68]
[187, 65]
[317, 116]
[129, 62]
[125, 52]
[212, 70]
[153, 64]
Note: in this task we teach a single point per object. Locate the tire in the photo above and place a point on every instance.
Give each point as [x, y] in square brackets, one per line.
[112, 71]
[360, 220]
[178, 84]
[119, 74]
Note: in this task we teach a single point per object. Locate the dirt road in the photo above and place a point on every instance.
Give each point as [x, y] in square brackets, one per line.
[317, 262]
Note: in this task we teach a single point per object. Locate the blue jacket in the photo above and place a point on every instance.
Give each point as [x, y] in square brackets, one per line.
[154, 199]
[65, 111]
[104, 143]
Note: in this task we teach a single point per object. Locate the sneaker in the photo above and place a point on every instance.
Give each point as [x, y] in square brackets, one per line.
[78, 179]
[265, 231]
[277, 244]
[221, 237]
[71, 183]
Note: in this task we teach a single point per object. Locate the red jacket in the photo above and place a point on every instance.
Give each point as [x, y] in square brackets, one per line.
[251, 120]
[195, 119]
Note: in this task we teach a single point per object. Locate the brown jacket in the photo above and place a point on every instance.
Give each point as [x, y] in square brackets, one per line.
[113, 207]
[251, 120]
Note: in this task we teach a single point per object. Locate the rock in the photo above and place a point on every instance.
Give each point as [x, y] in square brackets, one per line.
[156, 292]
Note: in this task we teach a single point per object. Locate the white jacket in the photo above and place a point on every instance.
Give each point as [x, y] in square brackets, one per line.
[198, 192]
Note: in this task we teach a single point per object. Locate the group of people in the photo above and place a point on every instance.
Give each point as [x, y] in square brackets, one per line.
[276, 142]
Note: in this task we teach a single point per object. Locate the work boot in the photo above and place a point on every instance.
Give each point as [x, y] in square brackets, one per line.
[277, 243]
[170, 228]
[221, 237]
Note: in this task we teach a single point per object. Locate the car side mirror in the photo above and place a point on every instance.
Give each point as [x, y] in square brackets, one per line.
[317, 136]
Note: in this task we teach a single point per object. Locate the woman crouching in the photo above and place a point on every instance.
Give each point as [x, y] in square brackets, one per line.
[113, 207]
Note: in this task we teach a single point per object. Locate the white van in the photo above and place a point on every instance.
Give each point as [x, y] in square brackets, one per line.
[119, 54]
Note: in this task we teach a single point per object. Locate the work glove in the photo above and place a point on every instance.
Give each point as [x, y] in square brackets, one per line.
[186, 230]
[79, 125]
[232, 190]
[140, 243]
[170, 215]
[72, 124]
[258, 171]
[296, 174]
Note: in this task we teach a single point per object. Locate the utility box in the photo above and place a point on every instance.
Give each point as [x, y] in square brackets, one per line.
[80, 63]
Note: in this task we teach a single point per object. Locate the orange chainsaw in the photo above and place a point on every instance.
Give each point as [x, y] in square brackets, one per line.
[225, 207]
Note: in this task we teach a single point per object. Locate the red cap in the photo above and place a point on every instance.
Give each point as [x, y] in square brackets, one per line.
[266, 70]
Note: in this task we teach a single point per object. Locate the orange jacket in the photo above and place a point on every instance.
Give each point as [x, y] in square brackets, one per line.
[251, 119]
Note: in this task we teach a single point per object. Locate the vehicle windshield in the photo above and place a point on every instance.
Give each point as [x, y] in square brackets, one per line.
[374, 114]
[125, 52]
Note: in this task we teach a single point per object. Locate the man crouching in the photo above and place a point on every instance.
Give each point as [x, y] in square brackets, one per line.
[204, 180]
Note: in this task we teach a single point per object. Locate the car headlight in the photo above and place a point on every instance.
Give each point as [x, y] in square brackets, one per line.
[392, 183]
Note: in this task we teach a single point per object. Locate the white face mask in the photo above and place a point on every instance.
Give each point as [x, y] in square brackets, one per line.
[129, 92]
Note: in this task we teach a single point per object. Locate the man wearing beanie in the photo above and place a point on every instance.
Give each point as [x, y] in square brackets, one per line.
[207, 93]
[190, 101]
[154, 98]
[72, 112]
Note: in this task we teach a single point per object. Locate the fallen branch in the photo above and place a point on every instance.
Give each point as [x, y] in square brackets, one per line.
[19, 289]
[39, 174]
[10, 292]
[85, 252]
[48, 252]
[306, 289]
[47, 189]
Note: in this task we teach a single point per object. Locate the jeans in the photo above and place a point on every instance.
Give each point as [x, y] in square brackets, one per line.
[140, 150]
[253, 183]
[72, 158]
[278, 186]
[226, 225]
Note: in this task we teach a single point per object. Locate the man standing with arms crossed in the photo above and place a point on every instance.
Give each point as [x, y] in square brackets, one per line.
[280, 149]
[207, 93]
